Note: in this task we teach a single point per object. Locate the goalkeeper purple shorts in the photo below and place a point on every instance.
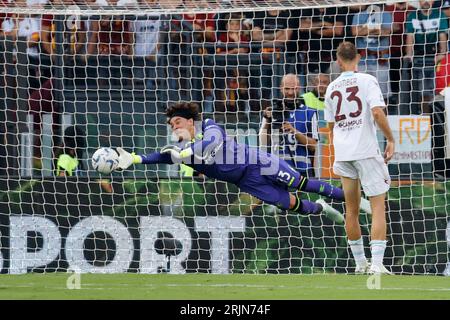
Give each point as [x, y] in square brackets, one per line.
[271, 183]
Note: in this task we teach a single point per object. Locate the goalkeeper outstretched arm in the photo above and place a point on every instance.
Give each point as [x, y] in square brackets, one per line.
[171, 154]
[127, 159]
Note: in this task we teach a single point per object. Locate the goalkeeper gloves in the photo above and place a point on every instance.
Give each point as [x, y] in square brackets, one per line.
[177, 153]
[126, 159]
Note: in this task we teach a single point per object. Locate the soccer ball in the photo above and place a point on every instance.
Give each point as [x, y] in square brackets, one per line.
[105, 160]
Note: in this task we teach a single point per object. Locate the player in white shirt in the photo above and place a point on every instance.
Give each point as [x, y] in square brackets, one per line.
[353, 105]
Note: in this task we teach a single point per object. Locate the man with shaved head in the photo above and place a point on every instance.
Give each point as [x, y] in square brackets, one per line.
[290, 128]
[290, 86]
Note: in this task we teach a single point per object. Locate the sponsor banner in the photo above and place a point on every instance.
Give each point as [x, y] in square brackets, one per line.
[173, 226]
[412, 138]
[446, 94]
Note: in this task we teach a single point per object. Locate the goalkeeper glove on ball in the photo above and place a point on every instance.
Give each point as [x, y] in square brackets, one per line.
[126, 159]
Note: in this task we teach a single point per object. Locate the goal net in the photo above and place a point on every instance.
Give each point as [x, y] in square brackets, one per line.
[78, 75]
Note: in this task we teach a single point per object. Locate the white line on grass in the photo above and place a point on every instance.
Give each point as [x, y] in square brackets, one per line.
[93, 286]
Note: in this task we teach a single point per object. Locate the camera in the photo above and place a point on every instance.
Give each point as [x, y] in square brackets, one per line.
[282, 111]
[278, 117]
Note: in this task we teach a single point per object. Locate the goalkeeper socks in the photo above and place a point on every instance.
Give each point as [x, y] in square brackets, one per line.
[323, 188]
[357, 248]
[306, 207]
[377, 248]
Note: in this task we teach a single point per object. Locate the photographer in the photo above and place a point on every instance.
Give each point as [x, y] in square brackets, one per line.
[290, 128]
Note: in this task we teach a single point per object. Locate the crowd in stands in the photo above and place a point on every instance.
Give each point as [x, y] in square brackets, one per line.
[388, 37]
[405, 47]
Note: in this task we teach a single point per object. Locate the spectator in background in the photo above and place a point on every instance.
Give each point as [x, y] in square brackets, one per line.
[314, 97]
[321, 31]
[444, 5]
[203, 24]
[146, 46]
[399, 11]
[232, 97]
[111, 35]
[110, 46]
[318, 84]
[426, 46]
[70, 152]
[271, 28]
[187, 28]
[372, 30]
[28, 27]
[349, 12]
[443, 75]
[74, 35]
[150, 3]
[290, 128]
[170, 4]
[270, 31]
[6, 16]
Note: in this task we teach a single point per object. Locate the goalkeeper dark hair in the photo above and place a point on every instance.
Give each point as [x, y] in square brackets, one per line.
[347, 51]
[188, 110]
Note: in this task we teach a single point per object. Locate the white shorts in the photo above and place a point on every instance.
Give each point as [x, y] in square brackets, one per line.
[372, 172]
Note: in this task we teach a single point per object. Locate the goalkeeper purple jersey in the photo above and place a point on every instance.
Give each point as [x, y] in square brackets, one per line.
[218, 156]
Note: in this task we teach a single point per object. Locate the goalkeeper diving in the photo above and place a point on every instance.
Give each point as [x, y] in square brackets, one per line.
[209, 151]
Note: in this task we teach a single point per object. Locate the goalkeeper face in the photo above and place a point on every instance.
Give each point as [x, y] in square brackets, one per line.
[182, 128]
[181, 117]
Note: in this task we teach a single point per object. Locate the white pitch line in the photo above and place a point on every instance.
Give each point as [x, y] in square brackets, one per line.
[224, 285]
[232, 285]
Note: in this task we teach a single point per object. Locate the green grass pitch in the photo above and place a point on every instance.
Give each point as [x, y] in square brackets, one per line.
[221, 287]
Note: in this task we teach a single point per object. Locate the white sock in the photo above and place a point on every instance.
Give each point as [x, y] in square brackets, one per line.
[377, 248]
[357, 247]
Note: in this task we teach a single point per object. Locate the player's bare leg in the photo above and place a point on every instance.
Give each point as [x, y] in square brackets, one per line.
[352, 191]
[378, 233]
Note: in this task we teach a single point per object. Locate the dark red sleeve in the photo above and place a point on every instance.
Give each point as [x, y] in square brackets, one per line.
[443, 75]
[128, 34]
[211, 21]
[223, 37]
[244, 38]
[200, 20]
[47, 20]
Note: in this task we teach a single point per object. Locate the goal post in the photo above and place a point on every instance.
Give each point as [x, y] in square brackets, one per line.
[79, 75]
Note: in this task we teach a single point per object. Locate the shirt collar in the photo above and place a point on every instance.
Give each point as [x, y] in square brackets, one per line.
[348, 73]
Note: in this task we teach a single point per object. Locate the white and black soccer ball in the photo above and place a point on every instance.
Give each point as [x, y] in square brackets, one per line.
[105, 160]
